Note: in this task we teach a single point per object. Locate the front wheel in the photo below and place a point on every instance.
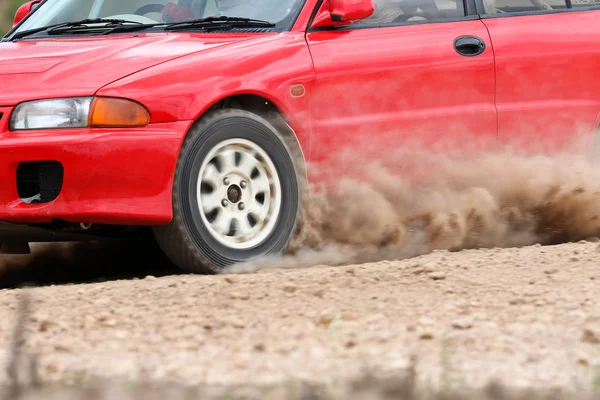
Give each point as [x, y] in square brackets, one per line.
[235, 194]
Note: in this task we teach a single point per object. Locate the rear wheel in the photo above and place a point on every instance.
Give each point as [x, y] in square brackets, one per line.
[235, 194]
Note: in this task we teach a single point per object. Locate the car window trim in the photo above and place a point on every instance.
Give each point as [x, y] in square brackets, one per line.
[299, 8]
[394, 25]
[469, 9]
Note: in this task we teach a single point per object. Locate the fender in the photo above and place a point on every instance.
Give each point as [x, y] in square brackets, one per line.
[267, 65]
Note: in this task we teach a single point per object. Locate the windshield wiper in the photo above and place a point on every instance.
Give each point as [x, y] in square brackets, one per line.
[81, 25]
[221, 22]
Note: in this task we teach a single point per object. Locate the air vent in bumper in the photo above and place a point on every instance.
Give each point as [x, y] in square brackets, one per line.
[39, 182]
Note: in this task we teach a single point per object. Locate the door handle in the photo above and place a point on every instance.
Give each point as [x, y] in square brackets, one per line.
[469, 46]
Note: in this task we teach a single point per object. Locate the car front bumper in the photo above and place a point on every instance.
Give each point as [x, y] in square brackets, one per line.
[109, 176]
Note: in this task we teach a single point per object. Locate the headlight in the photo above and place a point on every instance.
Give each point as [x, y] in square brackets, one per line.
[47, 114]
[80, 112]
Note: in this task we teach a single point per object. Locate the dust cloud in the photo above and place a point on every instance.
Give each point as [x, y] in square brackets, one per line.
[399, 206]
[414, 203]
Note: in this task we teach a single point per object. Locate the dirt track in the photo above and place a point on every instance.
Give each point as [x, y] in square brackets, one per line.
[527, 316]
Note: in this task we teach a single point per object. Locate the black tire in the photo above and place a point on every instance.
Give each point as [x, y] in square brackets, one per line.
[186, 240]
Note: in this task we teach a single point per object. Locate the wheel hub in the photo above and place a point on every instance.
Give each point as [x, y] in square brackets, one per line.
[234, 194]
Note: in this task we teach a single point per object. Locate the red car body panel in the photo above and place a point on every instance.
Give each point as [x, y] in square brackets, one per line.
[271, 64]
[547, 86]
[371, 89]
[126, 176]
[48, 68]
[382, 88]
[113, 176]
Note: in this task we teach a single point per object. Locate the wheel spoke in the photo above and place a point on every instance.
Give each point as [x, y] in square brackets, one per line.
[261, 184]
[243, 226]
[222, 223]
[210, 201]
[258, 212]
[247, 164]
[227, 160]
[211, 176]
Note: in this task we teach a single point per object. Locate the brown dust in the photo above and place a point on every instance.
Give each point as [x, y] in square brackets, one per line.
[405, 205]
[415, 203]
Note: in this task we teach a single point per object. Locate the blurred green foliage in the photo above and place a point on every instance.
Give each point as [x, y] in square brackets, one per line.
[7, 13]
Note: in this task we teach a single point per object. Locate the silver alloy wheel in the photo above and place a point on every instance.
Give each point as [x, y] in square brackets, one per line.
[239, 193]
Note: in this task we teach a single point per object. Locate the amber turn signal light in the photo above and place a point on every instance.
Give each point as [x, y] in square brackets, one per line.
[107, 112]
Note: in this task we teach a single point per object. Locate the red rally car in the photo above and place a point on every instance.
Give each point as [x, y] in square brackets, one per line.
[195, 119]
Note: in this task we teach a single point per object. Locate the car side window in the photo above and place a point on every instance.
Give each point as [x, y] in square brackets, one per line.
[388, 12]
[585, 3]
[528, 6]
[522, 6]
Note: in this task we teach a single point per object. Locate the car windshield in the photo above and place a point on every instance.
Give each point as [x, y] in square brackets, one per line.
[279, 12]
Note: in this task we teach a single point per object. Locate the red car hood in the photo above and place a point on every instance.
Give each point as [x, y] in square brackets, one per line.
[34, 69]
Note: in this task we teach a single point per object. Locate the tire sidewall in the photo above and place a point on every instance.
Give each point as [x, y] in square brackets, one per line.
[236, 125]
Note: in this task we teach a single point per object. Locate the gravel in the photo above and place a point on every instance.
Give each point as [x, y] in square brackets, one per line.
[524, 316]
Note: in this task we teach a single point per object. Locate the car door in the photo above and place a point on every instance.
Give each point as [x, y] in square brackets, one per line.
[547, 64]
[415, 73]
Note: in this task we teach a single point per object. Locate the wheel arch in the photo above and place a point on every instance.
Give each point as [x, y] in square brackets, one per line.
[265, 107]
